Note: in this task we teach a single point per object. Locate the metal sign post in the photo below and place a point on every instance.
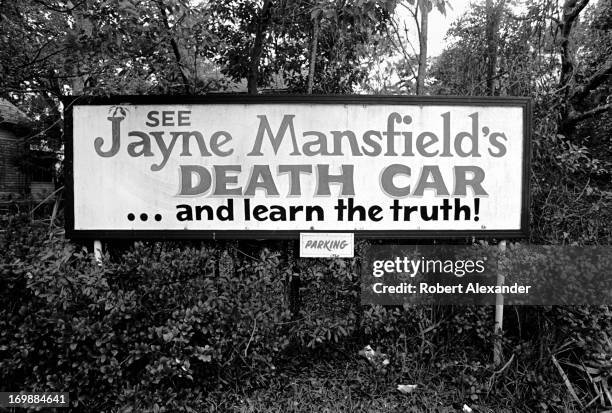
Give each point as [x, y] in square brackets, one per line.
[499, 308]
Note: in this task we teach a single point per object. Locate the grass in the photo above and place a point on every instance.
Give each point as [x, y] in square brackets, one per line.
[350, 384]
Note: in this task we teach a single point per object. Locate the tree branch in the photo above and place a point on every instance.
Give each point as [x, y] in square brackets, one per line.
[601, 75]
[57, 8]
[400, 45]
[263, 19]
[42, 59]
[313, 55]
[408, 39]
[415, 15]
[571, 10]
[574, 7]
[579, 117]
[175, 48]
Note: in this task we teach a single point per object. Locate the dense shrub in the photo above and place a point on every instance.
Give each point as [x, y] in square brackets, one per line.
[157, 326]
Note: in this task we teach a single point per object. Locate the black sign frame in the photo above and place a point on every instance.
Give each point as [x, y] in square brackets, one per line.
[484, 101]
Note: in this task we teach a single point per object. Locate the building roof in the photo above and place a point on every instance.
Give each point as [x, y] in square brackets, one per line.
[11, 115]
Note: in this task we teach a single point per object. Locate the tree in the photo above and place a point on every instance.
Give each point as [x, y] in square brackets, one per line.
[286, 57]
[398, 31]
[495, 52]
[262, 20]
[53, 48]
[576, 89]
[493, 17]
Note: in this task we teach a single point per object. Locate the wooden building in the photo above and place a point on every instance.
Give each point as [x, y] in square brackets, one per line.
[24, 174]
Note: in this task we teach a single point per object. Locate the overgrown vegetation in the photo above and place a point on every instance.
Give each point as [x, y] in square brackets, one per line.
[169, 327]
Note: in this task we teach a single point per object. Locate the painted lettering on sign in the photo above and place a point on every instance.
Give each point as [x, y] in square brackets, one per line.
[326, 245]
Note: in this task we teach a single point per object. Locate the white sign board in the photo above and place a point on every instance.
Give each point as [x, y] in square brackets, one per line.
[391, 167]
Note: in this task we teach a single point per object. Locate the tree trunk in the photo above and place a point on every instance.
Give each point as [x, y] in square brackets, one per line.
[420, 86]
[573, 95]
[313, 55]
[263, 19]
[571, 10]
[175, 49]
[77, 82]
[493, 16]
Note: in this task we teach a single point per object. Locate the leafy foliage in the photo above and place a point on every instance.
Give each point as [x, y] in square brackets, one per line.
[344, 28]
[159, 318]
[165, 327]
[570, 172]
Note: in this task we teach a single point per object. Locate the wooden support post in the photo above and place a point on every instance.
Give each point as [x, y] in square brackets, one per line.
[97, 246]
[499, 307]
[293, 248]
[218, 253]
[357, 271]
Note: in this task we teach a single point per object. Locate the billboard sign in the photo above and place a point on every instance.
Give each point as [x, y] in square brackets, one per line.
[275, 166]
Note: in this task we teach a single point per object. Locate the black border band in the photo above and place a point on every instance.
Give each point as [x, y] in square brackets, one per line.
[485, 101]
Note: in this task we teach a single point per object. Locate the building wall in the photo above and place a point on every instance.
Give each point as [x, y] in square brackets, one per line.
[41, 190]
[12, 180]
